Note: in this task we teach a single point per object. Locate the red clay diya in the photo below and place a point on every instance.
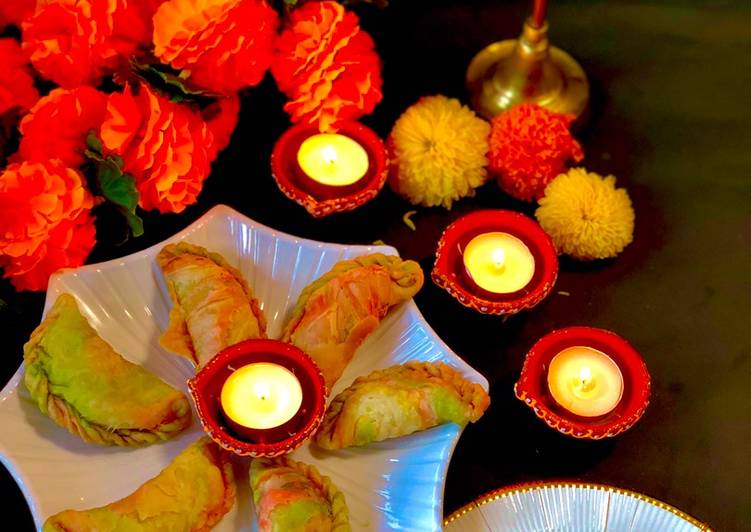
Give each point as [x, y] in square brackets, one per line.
[585, 382]
[344, 170]
[496, 262]
[261, 436]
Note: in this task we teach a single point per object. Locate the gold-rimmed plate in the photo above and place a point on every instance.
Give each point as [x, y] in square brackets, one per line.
[569, 506]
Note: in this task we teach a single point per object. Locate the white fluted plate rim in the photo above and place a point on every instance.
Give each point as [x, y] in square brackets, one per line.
[397, 484]
[557, 506]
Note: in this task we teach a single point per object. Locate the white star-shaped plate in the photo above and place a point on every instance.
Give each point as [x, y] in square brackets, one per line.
[397, 484]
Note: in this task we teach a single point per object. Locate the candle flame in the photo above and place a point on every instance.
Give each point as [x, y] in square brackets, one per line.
[585, 376]
[499, 258]
[263, 390]
[329, 154]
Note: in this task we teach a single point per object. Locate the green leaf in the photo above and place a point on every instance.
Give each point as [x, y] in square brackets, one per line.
[117, 160]
[134, 221]
[170, 82]
[116, 186]
[93, 156]
[93, 142]
[120, 189]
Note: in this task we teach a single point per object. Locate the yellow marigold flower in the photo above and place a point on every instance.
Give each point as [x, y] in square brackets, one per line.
[438, 152]
[586, 216]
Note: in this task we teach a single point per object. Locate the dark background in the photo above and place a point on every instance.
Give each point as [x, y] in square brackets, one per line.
[670, 117]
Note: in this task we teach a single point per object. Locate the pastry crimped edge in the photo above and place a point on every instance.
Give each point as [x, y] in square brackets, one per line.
[62, 413]
[223, 462]
[405, 273]
[334, 496]
[171, 251]
[219, 458]
[471, 393]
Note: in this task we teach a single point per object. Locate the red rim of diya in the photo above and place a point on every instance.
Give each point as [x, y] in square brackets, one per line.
[318, 199]
[206, 386]
[449, 272]
[532, 388]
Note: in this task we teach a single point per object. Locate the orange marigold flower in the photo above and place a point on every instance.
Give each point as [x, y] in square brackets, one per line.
[164, 145]
[76, 42]
[327, 66]
[46, 222]
[529, 147]
[57, 126]
[15, 11]
[224, 45]
[221, 118]
[16, 82]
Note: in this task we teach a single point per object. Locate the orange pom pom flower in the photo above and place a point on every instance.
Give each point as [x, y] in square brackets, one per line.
[529, 147]
[221, 118]
[224, 45]
[327, 66]
[164, 145]
[46, 222]
[57, 126]
[76, 42]
[15, 11]
[16, 82]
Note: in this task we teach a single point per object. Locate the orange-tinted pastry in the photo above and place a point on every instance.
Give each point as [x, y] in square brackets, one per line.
[338, 311]
[292, 496]
[213, 307]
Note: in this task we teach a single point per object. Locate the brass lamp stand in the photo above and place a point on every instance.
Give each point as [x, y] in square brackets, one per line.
[527, 69]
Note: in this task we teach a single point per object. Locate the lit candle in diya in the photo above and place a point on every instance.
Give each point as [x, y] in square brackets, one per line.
[326, 172]
[499, 262]
[332, 159]
[585, 381]
[260, 397]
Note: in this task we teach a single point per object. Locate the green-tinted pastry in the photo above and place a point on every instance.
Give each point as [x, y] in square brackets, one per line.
[335, 313]
[213, 307]
[191, 494]
[400, 400]
[79, 381]
[292, 496]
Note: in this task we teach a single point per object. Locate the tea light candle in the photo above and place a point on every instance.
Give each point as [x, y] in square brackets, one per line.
[332, 159]
[585, 381]
[261, 396]
[499, 262]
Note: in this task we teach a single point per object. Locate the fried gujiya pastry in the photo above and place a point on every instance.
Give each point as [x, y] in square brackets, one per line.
[400, 400]
[291, 496]
[79, 381]
[213, 307]
[335, 313]
[191, 494]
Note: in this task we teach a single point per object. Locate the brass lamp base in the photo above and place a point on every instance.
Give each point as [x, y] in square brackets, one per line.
[528, 69]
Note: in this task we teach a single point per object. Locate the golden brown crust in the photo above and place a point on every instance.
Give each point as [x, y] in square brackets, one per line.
[471, 393]
[222, 459]
[171, 251]
[152, 505]
[334, 497]
[406, 274]
[176, 338]
[61, 413]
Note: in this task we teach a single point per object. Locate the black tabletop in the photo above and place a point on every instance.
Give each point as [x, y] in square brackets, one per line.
[670, 119]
